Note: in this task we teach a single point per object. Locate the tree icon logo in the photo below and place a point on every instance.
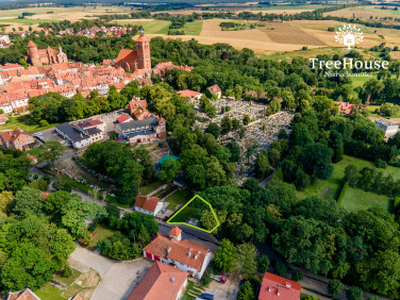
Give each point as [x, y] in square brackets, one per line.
[349, 36]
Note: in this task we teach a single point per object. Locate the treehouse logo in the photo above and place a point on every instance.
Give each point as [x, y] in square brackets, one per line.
[349, 36]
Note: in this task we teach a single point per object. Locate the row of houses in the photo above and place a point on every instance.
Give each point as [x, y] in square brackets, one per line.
[95, 31]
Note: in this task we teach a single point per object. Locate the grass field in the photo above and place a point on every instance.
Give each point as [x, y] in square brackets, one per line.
[358, 199]
[23, 122]
[354, 197]
[69, 280]
[101, 232]
[179, 197]
[147, 188]
[49, 292]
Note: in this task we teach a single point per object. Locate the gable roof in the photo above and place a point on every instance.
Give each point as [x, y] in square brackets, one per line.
[25, 294]
[126, 55]
[175, 231]
[123, 118]
[147, 204]
[185, 252]
[214, 89]
[12, 135]
[161, 281]
[279, 288]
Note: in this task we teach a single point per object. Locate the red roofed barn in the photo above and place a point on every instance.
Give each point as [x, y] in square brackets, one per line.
[161, 282]
[186, 255]
[279, 288]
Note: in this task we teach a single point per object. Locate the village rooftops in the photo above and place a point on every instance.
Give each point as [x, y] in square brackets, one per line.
[25, 294]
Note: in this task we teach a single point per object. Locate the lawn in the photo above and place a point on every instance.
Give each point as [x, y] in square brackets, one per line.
[146, 188]
[70, 280]
[179, 197]
[35, 152]
[358, 199]
[25, 123]
[100, 233]
[49, 292]
[335, 181]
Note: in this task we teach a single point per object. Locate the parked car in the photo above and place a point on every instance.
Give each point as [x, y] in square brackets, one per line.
[207, 296]
[218, 278]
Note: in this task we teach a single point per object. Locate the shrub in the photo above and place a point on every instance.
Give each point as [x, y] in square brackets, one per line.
[335, 287]
[205, 280]
[43, 123]
[297, 275]
[263, 263]
[343, 192]
[379, 163]
[280, 269]
[67, 272]
[354, 293]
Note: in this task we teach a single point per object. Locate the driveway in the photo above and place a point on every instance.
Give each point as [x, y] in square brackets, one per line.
[224, 291]
[118, 279]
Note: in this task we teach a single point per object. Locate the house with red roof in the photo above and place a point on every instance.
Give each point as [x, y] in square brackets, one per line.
[161, 282]
[25, 294]
[137, 108]
[346, 107]
[124, 118]
[215, 90]
[148, 205]
[186, 255]
[279, 288]
[17, 139]
[193, 95]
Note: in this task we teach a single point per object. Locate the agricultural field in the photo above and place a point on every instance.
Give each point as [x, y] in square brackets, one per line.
[152, 26]
[366, 13]
[54, 14]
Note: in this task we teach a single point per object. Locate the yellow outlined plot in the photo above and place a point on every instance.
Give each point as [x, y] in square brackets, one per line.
[190, 225]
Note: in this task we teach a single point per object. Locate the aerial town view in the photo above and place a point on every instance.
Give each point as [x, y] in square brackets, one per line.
[199, 149]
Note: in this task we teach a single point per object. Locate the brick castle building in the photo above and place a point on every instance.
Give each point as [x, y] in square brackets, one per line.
[131, 60]
[46, 56]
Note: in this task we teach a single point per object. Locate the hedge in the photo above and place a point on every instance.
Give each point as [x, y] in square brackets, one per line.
[343, 192]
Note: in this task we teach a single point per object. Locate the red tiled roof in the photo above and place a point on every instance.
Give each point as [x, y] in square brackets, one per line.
[31, 44]
[175, 231]
[147, 204]
[185, 252]
[279, 288]
[126, 55]
[214, 89]
[123, 118]
[161, 281]
[25, 294]
[189, 93]
[142, 39]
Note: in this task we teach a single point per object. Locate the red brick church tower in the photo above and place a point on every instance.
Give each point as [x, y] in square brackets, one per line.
[143, 52]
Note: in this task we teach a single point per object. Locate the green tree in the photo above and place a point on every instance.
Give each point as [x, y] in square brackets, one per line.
[169, 169]
[234, 149]
[52, 150]
[263, 263]
[262, 164]
[297, 275]
[246, 291]
[214, 129]
[6, 200]
[354, 293]
[245, 262]
[335, 287]
[225, 257]
[246, 120]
